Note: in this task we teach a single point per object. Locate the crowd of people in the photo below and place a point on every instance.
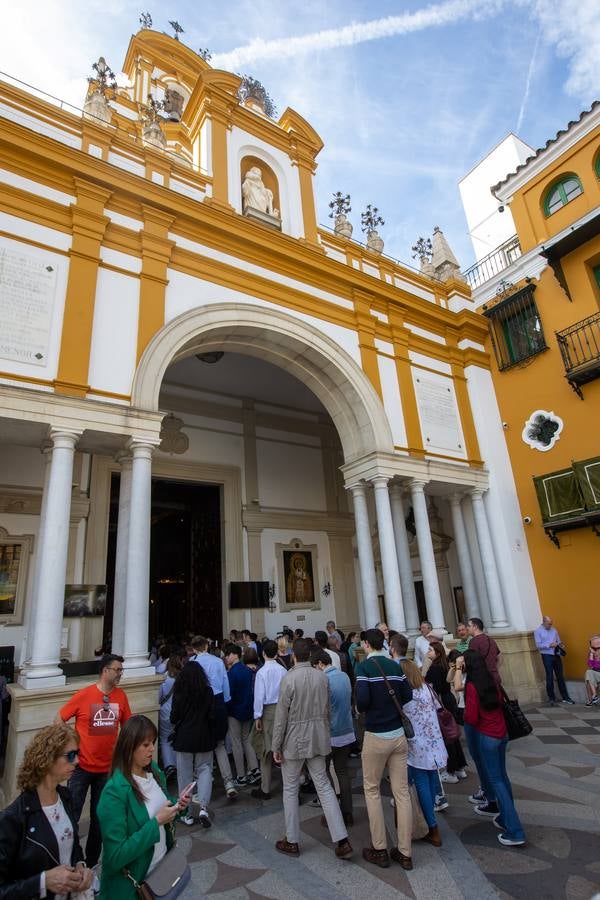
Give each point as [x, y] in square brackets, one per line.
[302, 705]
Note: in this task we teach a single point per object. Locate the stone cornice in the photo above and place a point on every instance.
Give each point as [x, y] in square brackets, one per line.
[407, 467]
[530, 265]
[256, 519]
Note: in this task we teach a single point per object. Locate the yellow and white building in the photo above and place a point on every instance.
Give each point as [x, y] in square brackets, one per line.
[170, 359]
[540, 293]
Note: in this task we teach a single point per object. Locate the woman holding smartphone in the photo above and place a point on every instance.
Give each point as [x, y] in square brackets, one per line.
[135, 812]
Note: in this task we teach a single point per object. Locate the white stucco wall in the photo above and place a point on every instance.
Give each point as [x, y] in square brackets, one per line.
[114, 333]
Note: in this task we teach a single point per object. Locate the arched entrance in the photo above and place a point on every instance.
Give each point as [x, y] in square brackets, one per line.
[299, 348]
[317, 366]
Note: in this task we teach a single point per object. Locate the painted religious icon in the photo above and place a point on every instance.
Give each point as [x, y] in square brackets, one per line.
[299, 587]
[10, 561]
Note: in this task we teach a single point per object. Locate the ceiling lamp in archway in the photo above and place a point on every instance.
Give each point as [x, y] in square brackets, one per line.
[210, 357]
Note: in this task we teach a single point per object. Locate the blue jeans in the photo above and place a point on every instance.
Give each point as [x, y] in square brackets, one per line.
[553, 666]
[473, 736]
[78, 785]
[426, 782]
[493, 755]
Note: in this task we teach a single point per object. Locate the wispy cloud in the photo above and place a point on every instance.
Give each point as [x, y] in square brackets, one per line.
[526, 92]
[573, 26]
[434, 16]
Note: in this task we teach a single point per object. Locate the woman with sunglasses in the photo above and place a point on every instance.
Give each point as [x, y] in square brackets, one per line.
[135, 812]
[40, 853]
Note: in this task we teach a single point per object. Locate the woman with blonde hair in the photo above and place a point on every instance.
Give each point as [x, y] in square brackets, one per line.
[426, 751]
[284, 652]
[40, 853]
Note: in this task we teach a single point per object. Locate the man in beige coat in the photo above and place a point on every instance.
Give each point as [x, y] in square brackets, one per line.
[301, 734]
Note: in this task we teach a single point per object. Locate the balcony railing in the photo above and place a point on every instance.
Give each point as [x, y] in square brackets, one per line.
[580, 349]
[495, 262]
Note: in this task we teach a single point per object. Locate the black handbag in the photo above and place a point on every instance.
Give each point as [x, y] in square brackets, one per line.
[517, 723]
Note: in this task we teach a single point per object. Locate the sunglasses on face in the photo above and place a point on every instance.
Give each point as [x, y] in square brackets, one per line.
[71, 755]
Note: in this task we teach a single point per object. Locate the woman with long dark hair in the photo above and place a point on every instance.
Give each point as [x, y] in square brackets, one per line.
[194, 739]
[165, 700]
[135, 812]
[487, 738]
[437, 677]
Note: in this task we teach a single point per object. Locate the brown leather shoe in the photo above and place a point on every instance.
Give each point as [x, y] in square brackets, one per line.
[377, 857]
[344, 850]
[405, 861]
[433, 836]
[286, 847]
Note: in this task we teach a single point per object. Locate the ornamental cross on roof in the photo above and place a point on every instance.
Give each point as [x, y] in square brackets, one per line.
[104, 78]
[145, 20]
[340, 205]
[177, 29]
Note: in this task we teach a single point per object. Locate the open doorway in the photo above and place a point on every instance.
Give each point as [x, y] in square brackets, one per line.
[185, 558]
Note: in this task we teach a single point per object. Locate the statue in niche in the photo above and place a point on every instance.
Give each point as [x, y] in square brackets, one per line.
[255, 195]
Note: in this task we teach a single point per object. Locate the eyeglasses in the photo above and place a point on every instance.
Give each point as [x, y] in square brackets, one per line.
[70, 755]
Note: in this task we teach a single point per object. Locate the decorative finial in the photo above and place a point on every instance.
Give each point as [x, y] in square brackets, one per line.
[205, 54]
[370, 219]
[423, 249]
[150, 111]
[104, 78]
[145, 20]
[252, 89]
[340, 205]
[176, 28]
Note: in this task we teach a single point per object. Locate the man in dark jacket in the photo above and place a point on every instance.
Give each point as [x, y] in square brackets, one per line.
[381, 691]
[240, 712]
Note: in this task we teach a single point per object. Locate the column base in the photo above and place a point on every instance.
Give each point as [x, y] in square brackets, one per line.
[137, 671]
[32, 683]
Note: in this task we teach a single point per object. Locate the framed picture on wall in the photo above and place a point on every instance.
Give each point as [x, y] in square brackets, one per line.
[459, 605]
[15, 552]
[298, 579]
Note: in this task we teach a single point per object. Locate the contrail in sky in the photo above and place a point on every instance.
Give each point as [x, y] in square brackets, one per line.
[434, 16]
[530, 71]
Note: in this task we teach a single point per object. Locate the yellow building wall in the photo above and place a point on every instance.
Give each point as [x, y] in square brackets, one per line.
[566, 578]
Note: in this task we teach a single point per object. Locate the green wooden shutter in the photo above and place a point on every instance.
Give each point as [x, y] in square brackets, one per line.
[559, 496]
[588, 477]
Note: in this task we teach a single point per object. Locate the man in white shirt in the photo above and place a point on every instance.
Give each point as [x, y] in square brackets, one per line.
[266, 694]
[422, 644]
[322, 641]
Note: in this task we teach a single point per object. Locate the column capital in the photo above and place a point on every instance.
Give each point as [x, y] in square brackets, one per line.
[63, 438]
[418, 485]
[357, 487]
[455, 499]
[140, 449]
[380, 481]
[397, 489]
[477, 493]
[124, 458]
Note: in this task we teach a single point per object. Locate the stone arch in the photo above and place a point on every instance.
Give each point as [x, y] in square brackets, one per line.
[299, 348]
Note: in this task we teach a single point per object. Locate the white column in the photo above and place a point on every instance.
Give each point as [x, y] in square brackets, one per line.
[464, 559]
[407, 582]
[488, 561]
[119, 602]
[431, 585]
[50, 573]
[366, 564]
[389, 560]
[135, 649]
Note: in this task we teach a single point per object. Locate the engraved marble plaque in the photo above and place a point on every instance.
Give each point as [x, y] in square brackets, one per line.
[438, 413]
[27, 291]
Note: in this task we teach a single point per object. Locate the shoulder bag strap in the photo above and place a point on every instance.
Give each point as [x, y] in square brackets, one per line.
[436, 697]
[390, 688]
[168, 695]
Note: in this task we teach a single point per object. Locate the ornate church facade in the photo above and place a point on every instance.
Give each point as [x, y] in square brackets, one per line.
[202, 389]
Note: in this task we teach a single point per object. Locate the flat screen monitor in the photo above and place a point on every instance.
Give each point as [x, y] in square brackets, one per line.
[249, 595]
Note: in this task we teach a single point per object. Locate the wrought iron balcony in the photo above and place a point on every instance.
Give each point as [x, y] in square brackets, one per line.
[580, 348]
[495, 262]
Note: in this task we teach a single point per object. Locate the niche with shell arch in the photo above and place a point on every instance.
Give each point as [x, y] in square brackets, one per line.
[270, 181]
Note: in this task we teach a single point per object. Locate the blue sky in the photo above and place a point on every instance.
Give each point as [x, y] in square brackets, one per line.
[406, 102]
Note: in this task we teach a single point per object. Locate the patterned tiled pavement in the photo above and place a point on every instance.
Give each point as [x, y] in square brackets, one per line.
[555, 774]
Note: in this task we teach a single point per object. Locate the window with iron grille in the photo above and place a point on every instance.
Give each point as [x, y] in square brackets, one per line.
[516, 328]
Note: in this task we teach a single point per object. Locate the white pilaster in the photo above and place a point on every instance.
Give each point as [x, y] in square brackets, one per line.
[50, 572]
[389, 560]
[135, 649]
[366, 563]
[407, 583]
[119, 604]
[431, 585]
[488, 561]
[464, 559]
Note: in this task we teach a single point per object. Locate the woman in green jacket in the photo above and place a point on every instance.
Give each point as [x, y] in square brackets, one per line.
[135, 812]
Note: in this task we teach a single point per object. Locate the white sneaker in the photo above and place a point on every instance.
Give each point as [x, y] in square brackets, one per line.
[477, 797]
[440, 803]
[187, 820]
[204, 818]
[508, 841]
[461, 774]
[448, 778]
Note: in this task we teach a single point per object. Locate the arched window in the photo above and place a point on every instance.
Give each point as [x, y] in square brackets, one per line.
[561, 193]
[597, 164]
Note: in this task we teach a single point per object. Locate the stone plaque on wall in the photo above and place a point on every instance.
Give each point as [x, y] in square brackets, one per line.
[27, 290]
[438, 413]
